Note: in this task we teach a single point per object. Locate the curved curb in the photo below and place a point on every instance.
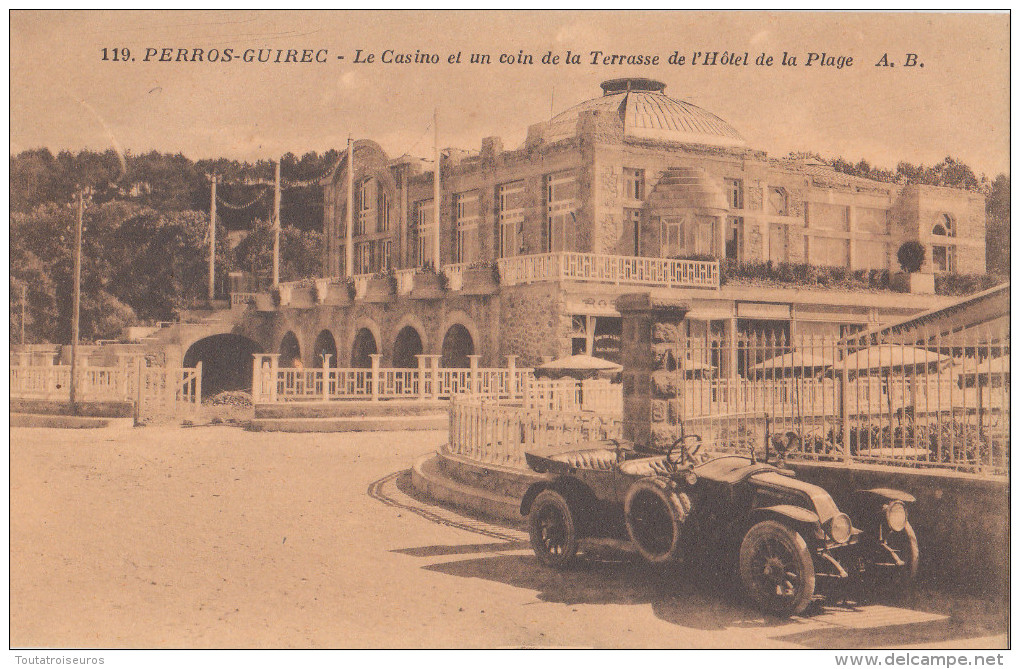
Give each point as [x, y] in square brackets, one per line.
[428, 479]
[350, 424]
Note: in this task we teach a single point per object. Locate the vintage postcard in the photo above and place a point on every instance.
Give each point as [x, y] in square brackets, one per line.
[516, 329]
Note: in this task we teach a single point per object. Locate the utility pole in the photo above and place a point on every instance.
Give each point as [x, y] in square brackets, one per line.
[24, 298]
[276, 227]
[76, 296]
[437, 194]
[349, 235]
[212, 240]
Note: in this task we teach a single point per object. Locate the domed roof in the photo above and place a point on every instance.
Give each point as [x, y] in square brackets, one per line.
[648, 113]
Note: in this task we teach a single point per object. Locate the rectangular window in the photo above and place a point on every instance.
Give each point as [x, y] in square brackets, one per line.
[632, 223]
[363, 257]
[384, 255]
[510, 203]
[671, 237]
[735, 193]
[561, 220]
[870, 255]
[779, 239]
[633, 184]
[383, 218]
[778, 205]
[466, 216]
[943, 258]
[364, 200]
[424, 216]
[825, 216]
[870, 219]
[735, 238]
[829, 251]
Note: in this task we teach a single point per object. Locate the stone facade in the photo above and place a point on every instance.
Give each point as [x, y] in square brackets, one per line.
[633, 173]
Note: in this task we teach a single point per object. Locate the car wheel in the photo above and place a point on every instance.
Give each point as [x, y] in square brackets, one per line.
[553, 530]
[776, 568]
[904, 543]
[655, 515]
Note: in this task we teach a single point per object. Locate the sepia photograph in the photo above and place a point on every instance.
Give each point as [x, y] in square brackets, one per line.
[510, 329]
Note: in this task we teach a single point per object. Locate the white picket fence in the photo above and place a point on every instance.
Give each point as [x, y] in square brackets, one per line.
[499, 433]
[154, 390]
[272, 383]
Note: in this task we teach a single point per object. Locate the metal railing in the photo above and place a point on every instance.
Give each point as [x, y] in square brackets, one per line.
[918, 401]
[593, 267]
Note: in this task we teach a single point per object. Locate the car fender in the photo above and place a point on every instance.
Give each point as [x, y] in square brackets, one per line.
[803, 520]
[883, 495]
[576, 493]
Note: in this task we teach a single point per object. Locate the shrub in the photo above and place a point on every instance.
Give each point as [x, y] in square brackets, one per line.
[911, 256]
[277, 298]
[352, 292]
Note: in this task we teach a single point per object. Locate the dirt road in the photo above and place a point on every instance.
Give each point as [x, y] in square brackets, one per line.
[213, 537]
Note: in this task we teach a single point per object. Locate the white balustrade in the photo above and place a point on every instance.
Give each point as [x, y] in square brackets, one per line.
[405, 280]
[609, 269]
[455, 274]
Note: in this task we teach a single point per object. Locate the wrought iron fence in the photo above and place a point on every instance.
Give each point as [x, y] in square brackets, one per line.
[916, 399]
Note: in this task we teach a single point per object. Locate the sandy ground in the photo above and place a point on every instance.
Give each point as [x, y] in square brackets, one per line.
[213, 537]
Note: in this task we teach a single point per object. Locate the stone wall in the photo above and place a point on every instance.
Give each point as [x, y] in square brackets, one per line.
[533, 323]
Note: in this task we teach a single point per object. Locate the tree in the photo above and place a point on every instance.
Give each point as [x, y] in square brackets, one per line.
[997, 231]
[300, 253]
[911, 256]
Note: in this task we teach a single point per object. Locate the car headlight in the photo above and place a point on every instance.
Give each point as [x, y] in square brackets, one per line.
[896, 515]
[840, 528]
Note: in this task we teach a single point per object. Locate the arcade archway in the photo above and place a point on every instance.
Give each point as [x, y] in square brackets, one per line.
[407, 347]
[226, 362]
[457, 346]
[325, 344]
[363, 348]
[290, 351]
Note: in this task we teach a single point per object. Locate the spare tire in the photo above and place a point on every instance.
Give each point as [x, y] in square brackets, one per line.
[655, 515]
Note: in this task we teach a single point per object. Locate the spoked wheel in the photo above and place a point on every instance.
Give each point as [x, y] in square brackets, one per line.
[553, 530]
[776, 568]
[655, 516]
[892, 576]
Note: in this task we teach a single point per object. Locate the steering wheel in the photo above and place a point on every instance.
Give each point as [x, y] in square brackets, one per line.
[686, 453]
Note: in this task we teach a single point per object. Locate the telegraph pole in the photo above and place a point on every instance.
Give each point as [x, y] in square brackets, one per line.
[24, 298]
[76, 296]
[437, 194]
[276, 227]
[212, 240]
[349, 236]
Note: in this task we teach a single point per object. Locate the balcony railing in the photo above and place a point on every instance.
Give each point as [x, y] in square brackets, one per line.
[609, 269]
[589, 267]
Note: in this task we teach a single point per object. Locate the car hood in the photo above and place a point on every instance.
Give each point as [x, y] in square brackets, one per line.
[820, 500]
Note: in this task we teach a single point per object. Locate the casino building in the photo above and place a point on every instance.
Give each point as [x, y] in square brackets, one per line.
[630, 190]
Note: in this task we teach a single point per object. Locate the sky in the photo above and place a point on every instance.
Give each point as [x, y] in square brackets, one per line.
[64, 96]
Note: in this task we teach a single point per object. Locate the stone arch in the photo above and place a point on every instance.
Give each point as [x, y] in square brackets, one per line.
[459, 317]
[363, 347]
[226, 361]
[290, 350]
[325, 344]
[458, 344]
[407, 345]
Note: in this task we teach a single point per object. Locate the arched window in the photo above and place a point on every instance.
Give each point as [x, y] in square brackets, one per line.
[946, 227]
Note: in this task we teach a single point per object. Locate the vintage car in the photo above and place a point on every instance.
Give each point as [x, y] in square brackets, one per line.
[782, 535]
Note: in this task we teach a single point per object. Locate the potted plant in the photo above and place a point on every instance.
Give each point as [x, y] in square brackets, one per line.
[481, 278]
[428, 283]
[911, 256]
